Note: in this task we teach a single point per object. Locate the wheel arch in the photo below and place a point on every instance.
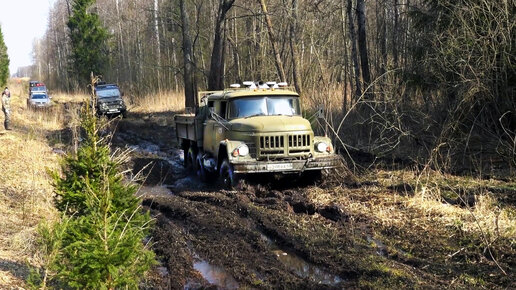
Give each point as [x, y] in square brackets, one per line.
[222, 154]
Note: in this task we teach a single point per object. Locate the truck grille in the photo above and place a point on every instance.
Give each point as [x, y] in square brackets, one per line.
[272, 145]
[277, 146]
[113, 105]
[299, 141]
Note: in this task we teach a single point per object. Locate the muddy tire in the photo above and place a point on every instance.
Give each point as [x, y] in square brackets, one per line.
[312, 176]
[190, 161]
[228, 178]
[203, 174]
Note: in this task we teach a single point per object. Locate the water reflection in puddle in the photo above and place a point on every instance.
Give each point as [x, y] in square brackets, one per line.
[306, 270]
[301, 267]
[216, 275]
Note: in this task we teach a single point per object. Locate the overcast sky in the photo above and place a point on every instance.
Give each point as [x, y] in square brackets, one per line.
[22, 22]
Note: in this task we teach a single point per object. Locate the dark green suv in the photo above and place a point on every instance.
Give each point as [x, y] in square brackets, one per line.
[109, 100]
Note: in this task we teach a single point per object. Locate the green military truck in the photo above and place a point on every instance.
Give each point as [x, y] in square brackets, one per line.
[257, 128]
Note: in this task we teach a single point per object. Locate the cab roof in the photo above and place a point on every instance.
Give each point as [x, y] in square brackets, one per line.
[106, 86]
[246, 92]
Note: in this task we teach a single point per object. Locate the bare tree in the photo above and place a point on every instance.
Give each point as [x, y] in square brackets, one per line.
[395, 30]
[188, 73]
[293, 49]
[362, 43]
[354, 54]
[216, 75]
[279, 62]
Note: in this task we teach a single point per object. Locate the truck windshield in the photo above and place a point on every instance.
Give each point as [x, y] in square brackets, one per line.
[264, 106]
[106, 93]
[38, 96]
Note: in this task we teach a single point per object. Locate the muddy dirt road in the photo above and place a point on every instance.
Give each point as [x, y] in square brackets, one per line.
[271, 234]
[210, 237]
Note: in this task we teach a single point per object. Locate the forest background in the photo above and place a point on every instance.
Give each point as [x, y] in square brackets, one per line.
[428, 82]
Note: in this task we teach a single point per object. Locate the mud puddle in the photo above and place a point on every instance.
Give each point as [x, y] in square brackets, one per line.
[215, 275]
[300, 266]
[169, 167]
[381, 249]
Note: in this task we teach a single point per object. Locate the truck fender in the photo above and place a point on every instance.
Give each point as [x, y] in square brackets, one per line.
[226, 148]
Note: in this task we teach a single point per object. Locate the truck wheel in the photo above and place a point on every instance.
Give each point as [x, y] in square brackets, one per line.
[190, 161]
[203, 174]
[228, 177]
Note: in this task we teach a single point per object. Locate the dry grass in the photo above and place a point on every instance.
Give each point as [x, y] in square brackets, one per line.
[172, 101]
[330, 97]
[25, 186]
[452, 224]
[26, 156]
[159, 102]
[62, 98]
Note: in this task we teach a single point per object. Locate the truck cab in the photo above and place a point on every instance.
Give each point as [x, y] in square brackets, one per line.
[255, 129]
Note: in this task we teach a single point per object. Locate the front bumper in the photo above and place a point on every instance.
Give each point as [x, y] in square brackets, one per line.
[40, 105]
[111, 111]
[287, 166]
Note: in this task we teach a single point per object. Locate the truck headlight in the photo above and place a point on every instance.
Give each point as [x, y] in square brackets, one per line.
[241, 150]
[322, 147]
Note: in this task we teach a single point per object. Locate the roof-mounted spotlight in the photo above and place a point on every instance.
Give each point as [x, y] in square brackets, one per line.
[250, 85]
[282, 84]
[234, 86]
[262, 85]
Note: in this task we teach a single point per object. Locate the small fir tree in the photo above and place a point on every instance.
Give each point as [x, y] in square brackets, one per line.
[101, 246]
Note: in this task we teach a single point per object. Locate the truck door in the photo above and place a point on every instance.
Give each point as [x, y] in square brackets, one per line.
[215, 127]
[208, 129]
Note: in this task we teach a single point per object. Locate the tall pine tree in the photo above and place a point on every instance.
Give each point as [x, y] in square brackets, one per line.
[88, 39]
[4, 60]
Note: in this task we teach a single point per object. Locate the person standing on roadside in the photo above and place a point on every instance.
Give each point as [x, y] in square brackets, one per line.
[6, 107]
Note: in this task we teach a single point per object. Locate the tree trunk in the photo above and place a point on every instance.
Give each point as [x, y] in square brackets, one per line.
[158, 44]
[354, 53]
[216, 75]
[383, 38]
[188, 74]
[293, 48]
[279, 63]
[362, 43]
[395, 35]
[236, 59]
[346, 58]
